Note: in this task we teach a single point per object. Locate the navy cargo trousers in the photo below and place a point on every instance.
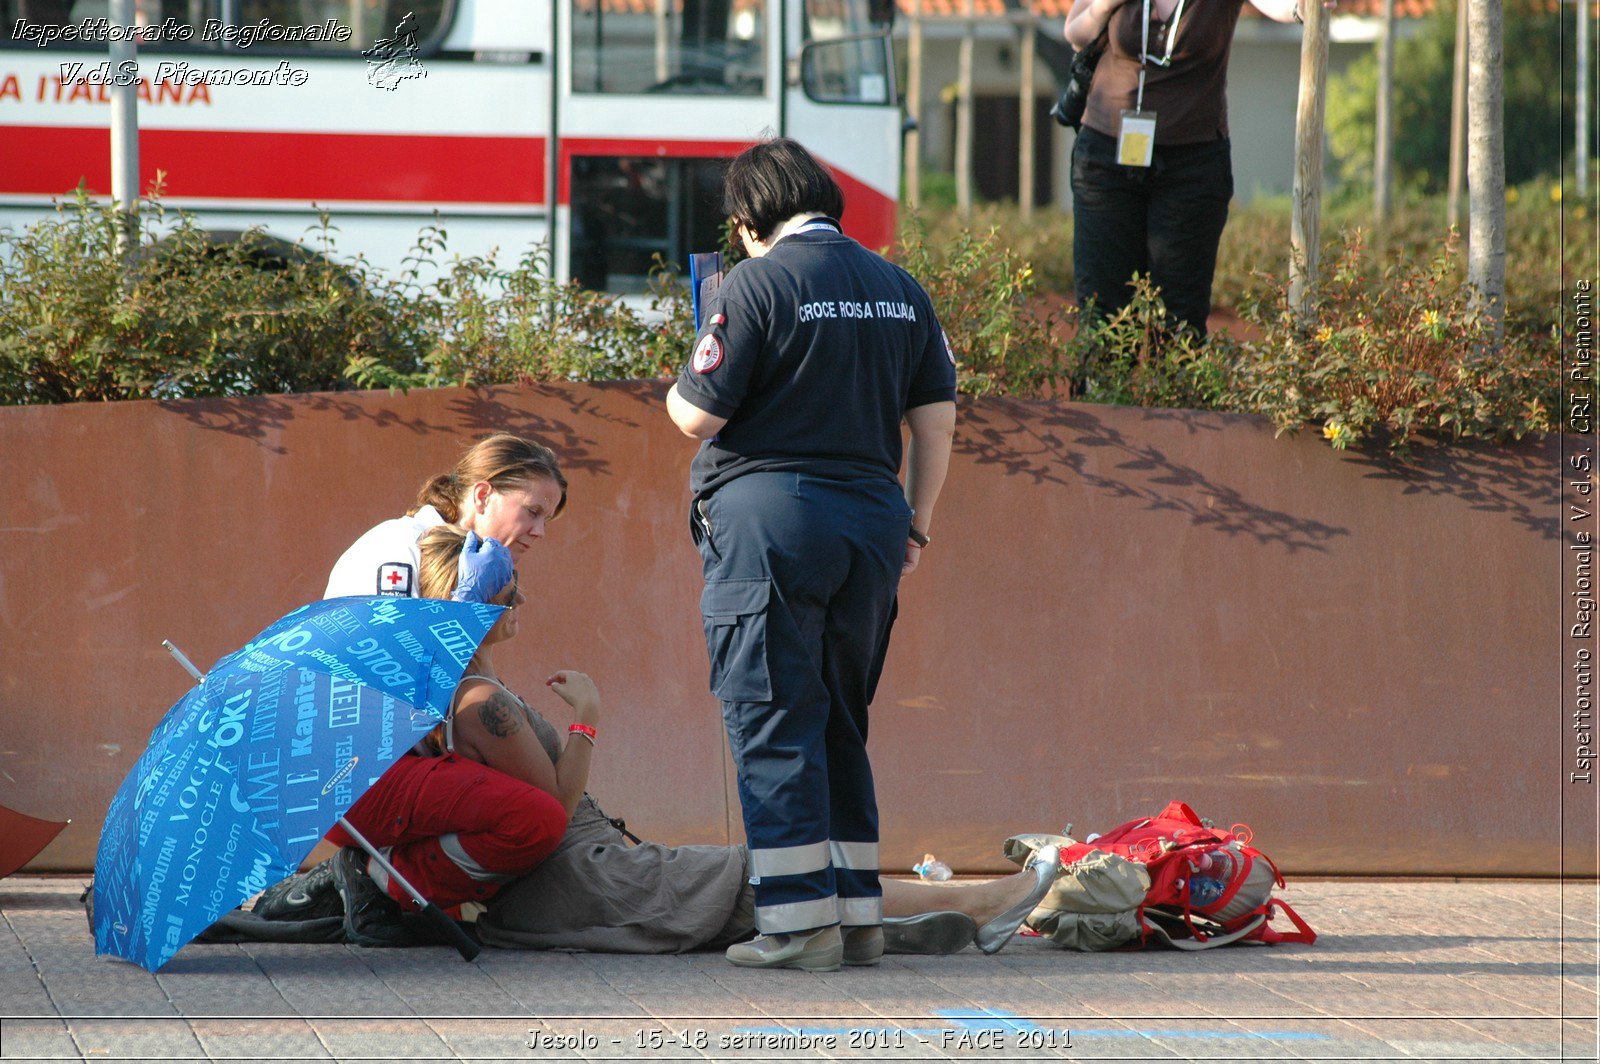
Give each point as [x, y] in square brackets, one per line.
[800, 581]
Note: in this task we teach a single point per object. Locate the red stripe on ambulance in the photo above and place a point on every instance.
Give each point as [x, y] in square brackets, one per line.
[248, 164]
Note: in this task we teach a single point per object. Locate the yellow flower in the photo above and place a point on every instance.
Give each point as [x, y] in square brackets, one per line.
[1431, 319]
[1324, 334]
[1512, 195]
[1555, 193]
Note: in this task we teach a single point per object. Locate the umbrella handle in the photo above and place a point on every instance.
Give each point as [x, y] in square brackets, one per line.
[451, 931]
[436, 916]
[182, 659]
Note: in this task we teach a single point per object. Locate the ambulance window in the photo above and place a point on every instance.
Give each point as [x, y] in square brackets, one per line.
[369, 21]
[847, 56]
[829, 19]
[628, 209]
[707, 47]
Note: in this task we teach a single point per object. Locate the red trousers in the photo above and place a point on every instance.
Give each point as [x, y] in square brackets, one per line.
[457, 830]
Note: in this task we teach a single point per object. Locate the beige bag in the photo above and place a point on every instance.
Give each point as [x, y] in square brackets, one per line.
[1094, 904]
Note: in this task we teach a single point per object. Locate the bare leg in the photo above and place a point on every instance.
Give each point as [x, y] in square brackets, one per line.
[981, 901]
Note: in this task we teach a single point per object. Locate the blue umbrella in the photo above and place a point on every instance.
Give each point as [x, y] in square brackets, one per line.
[247, 771]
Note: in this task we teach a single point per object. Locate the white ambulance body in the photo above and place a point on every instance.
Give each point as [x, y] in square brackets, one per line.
[596, 127]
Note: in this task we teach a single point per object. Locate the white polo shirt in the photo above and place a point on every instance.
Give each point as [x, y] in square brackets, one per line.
[385, 560]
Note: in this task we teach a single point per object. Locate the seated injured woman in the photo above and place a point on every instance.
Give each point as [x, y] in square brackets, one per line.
[599, 890]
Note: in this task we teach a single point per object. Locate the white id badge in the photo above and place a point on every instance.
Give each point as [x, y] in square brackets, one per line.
[1137, 141]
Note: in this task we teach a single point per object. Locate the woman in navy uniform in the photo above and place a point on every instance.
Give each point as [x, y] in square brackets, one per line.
[811, 354]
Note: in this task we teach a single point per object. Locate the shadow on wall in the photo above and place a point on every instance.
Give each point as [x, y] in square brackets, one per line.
[263, 419]
[1495, 481]
[1055, 448]
[1052, 443]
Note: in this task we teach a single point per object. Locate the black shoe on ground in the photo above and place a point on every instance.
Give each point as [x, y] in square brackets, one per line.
[371, 917]
[309, 895]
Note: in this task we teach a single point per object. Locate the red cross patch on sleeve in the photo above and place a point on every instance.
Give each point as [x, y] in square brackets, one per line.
[707, 354]
[395, 578]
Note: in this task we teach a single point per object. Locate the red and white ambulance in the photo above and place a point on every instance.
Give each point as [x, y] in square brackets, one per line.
[594, 126]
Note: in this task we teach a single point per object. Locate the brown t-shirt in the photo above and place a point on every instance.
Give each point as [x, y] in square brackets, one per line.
[1190, 97]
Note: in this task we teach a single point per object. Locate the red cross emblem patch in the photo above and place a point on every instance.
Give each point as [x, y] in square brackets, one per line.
[395, 578]
[707, 354]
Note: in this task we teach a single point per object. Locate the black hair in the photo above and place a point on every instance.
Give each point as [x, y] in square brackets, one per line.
[771, 182]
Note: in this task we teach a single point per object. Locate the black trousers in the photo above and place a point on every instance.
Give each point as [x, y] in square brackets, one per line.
[1163, 221]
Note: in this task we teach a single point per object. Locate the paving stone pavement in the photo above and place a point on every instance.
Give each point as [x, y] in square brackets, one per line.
[1404, 970]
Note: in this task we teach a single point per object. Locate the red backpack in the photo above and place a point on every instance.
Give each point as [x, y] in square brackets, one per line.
[1177, 848]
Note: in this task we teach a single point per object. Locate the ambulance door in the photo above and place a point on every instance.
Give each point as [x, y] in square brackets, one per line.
[840, 100]
[652, 97]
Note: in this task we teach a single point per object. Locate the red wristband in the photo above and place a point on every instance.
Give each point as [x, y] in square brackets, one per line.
[582, 729]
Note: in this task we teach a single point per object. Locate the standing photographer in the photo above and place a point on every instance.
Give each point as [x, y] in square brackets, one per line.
[1152, 170]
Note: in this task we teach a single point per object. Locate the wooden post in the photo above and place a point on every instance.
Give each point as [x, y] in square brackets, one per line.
[1305, 225]
[1458, 120]
[964, 115]
[1486, 163]
[914, 107]
[1383, 138]
[1025, 130]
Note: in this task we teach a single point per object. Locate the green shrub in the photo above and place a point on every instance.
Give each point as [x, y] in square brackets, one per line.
[1005, 341]
[488, 325]
[1136, 358]
[1397, 354]
[190, 317]
[1393, 357]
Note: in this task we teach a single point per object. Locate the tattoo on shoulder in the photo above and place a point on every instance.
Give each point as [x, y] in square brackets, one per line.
[500, 715]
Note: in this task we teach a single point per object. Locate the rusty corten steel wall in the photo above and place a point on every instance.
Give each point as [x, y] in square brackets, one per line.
[1121, 607]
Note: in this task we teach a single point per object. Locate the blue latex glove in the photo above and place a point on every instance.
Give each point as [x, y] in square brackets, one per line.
[483, 571]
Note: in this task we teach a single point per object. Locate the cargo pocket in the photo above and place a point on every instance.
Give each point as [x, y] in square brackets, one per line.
[735, 615]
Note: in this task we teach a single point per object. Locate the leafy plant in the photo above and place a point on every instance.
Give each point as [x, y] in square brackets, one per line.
[187, 315]
[1136, 358]
[1004, 340]
[1392, 357]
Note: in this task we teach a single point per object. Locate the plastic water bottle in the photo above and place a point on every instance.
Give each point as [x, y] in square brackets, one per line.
[1203, 890]
[932, 869]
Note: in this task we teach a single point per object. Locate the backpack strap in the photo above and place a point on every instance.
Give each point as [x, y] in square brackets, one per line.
[1302, 932]
[1250, 930]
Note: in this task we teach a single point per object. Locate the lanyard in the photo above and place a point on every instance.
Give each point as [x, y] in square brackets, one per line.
[1144, 46]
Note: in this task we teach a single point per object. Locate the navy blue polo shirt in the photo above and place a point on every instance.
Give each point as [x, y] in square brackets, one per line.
[814, 352]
